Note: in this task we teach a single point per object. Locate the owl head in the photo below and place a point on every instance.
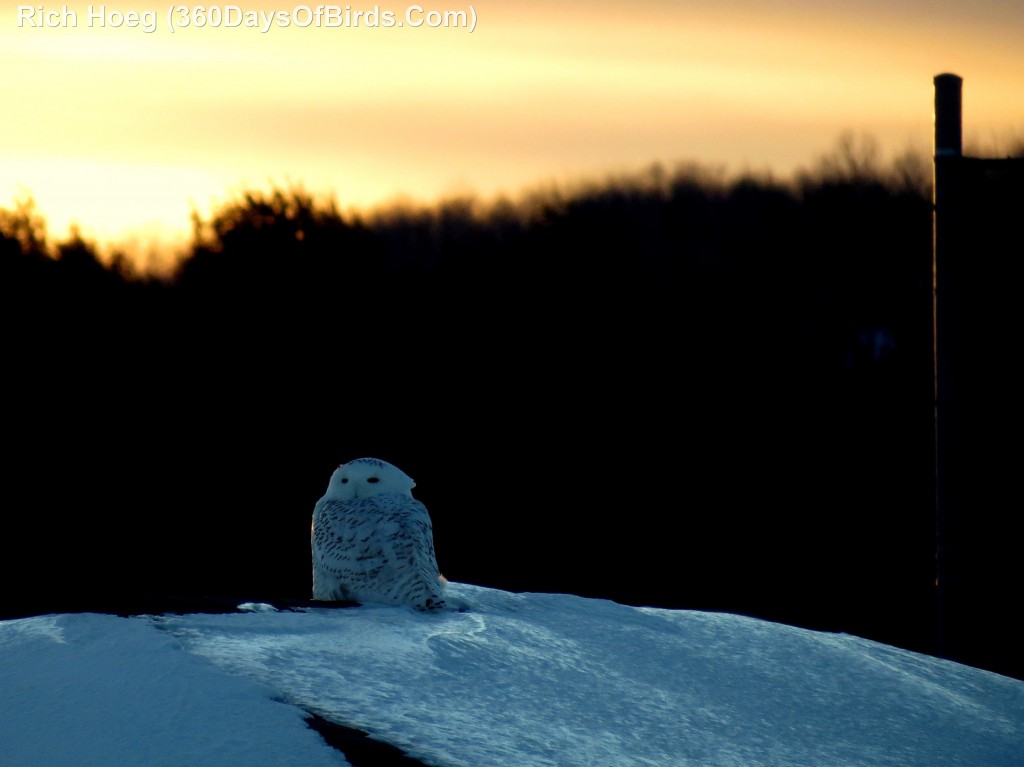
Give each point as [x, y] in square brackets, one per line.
[365, 477]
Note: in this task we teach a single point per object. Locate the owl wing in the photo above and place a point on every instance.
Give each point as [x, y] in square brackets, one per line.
[407, 540]
[332, 537]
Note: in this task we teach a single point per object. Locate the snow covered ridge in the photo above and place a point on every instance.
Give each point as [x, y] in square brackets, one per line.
[521, 680]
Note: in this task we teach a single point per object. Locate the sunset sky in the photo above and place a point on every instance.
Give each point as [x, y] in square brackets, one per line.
[125, 130]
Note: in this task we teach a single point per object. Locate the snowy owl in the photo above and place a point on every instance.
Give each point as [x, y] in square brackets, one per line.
[372, 541]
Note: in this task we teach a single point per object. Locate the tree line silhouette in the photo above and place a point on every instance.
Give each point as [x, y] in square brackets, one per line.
[675, 388]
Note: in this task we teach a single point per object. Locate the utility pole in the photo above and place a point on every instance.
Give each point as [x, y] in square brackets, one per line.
[948, 153]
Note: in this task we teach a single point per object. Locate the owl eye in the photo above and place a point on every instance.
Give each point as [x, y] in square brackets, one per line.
[373, 480]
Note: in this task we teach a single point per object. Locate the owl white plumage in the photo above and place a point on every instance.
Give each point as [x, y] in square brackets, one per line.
[372, 541]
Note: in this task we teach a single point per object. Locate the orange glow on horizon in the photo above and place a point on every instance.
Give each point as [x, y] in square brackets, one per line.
[124, 132]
